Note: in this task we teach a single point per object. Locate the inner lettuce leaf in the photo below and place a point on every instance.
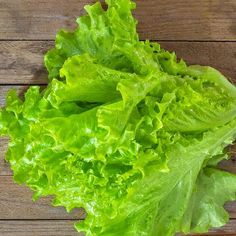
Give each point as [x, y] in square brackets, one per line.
[125, 131]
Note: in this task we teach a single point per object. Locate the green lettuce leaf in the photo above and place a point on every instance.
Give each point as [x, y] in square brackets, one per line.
[125, 131]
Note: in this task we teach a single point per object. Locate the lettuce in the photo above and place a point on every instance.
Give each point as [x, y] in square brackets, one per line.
[125, 131]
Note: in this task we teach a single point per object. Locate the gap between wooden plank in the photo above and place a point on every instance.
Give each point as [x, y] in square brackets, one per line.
[19, 85]
[74, 220]
[157, 40]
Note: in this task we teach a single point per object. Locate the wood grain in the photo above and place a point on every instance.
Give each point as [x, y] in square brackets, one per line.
[38, 228]
[65, 228]
[187, 19]
[158, 20]
[4, 167]
[16, 203]
[230, 165]
[21, 62]
[220, 55]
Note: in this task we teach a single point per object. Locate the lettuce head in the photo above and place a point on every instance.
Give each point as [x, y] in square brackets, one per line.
[124, 130]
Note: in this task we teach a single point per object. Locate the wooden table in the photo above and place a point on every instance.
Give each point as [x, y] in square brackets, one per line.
[200, 31]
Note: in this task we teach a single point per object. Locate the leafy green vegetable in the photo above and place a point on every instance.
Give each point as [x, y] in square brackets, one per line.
[125, 131]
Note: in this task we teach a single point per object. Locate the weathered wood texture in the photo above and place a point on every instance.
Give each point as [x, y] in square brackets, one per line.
[65, 228]
[16, 203]
[38, 228]
[4, 167]
[21, 62]
[158, 20]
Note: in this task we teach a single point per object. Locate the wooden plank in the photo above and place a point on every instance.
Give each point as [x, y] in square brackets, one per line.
[22, 61]
[158, 20]
[230, 165]
[231, 209]
[4, 167]
[187, 19]
[220, 55]
[38, 228]
[65, 228]
[16, 203]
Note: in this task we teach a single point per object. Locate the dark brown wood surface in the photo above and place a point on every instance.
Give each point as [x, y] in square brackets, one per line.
[16, 203]
[65, 228]
[37, 228]
[202, 32]
[158, 20]
[21, 62]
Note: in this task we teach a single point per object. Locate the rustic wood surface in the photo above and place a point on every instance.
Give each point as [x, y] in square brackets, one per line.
[37, 228]
[16, 203]
[21, 62]
[158, 20]
[202, 32]
[65, 228]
